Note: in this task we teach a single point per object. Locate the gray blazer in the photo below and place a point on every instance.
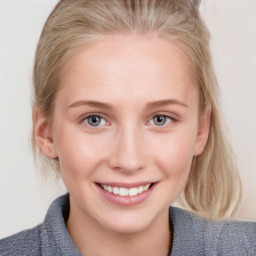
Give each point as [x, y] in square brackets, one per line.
[192, 236]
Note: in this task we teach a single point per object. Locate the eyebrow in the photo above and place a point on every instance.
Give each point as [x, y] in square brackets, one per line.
[150, 105]
[90, 103]
[161, 103]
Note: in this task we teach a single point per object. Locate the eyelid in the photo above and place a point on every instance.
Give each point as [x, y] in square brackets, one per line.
[167, 121]
[172, 116]
[84, 117]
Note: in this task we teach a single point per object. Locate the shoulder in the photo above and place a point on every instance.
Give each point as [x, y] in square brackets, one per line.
[213, 237]
[49, 238]
[238, 236]
[26, 242]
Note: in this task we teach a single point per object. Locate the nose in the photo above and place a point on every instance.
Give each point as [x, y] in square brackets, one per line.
[128, 154]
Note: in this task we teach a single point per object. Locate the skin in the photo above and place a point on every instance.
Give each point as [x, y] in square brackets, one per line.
[127, 74]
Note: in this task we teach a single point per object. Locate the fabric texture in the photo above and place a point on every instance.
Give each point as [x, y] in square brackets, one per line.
[192, 236]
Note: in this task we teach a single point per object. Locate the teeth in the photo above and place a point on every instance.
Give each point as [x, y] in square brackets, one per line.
[145, 188]
[126, 191]
[140, 190]
[123, 191]
[133, 191]
[115, 190]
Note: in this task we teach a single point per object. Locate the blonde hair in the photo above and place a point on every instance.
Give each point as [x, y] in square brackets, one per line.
[213, 189]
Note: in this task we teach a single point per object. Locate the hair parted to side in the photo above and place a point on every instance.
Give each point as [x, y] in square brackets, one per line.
[213, 189]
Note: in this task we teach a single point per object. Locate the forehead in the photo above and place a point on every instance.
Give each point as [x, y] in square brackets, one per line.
[133, 66]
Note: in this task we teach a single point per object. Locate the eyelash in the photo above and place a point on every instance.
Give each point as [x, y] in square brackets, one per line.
[85, 120]
[166, 118]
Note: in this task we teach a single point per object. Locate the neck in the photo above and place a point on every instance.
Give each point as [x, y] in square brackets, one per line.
[92, 239]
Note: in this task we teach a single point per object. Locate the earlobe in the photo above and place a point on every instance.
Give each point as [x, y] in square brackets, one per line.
[42, 133]
[203, 131]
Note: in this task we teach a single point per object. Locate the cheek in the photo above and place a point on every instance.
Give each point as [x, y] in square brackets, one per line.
[175, 155]
[78, 153]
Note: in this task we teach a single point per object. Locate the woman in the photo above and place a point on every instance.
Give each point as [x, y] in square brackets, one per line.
[126, 112]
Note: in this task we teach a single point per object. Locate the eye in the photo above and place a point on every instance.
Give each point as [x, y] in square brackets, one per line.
[95, 121]
[160, 120]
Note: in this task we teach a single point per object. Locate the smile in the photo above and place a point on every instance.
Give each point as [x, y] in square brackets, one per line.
[121, 191]
[126, 194]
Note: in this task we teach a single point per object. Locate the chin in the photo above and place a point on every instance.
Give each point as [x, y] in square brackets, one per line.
[128, 222]
[127, 227]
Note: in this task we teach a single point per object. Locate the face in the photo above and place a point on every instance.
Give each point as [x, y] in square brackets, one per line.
[125, 129]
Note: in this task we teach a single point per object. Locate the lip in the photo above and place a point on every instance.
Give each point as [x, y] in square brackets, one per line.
[126, 200]
[125, 185]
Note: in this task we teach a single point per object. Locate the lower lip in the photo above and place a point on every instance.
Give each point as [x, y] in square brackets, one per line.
[126, 200]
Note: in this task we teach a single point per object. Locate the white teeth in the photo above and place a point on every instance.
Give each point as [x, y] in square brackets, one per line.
[123, 191]
[126, 191]
[145, 188]
[115, 190]
[140, 190]
[133, 191]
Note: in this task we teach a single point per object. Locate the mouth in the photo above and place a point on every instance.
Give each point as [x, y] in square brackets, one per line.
[125, 191]
[126, 194]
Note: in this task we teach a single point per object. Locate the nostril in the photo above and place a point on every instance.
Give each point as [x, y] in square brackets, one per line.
[126, 166]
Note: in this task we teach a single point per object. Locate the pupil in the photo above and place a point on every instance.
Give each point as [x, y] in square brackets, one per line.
[94, 120]
[159, 120]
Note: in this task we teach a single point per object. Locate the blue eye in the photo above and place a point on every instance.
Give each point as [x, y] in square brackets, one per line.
[95, 121]
[160, 120]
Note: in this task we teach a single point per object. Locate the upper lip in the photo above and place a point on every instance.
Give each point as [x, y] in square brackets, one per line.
[126, 185]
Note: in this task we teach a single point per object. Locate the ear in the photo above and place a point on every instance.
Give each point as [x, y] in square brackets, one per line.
[203, 131]
[42, 133]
